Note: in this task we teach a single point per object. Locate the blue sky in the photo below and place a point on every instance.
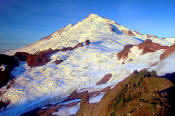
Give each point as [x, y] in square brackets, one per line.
[26, 21]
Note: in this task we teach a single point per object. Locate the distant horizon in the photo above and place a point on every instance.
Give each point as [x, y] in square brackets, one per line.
[24, 22]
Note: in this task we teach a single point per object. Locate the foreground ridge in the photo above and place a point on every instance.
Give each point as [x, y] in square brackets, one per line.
[139, 94]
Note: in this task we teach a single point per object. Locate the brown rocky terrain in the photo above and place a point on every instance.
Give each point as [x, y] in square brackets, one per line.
[124, 53]
[130, 33]
[42, 57]
[141, 94]
[104, 79]
[167, 52]
[147, 46]
[39, 58]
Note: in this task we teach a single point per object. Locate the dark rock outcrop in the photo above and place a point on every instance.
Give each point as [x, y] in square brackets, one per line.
[9, 62]
[87, 42]
[22, 56]
[39, 58]
[124, 53]
[58, 61]
[104, 79]
[149, 46]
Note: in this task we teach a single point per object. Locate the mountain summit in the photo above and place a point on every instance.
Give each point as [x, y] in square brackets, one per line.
[93, 28]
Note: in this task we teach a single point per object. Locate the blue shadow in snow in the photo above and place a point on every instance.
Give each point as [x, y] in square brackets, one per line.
[96, 43]
[116, 30]
[138, 39]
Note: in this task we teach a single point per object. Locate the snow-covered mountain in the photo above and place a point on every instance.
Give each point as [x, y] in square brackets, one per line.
[82, 64]
[93, 28]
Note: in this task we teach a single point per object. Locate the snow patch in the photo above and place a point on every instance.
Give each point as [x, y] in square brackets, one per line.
[71, 101]
[96, 98]
[165, 66]
[2, 67]
[67, 111]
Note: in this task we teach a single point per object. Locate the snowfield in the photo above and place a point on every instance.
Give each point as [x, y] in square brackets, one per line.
[82, 67]
[165, 66]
